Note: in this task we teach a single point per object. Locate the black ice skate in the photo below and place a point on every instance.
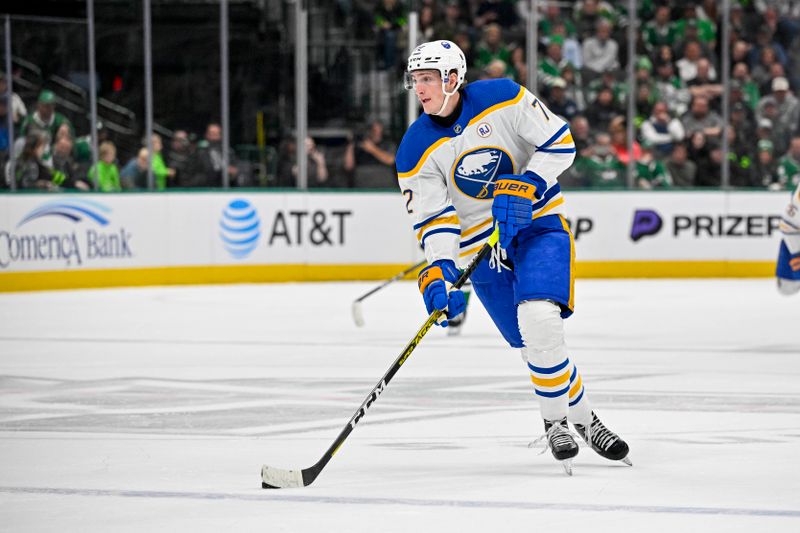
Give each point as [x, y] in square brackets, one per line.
[604, 441]
[560, 441]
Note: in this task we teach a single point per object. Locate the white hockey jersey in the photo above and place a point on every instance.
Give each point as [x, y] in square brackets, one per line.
[790, 223]
[448, 174]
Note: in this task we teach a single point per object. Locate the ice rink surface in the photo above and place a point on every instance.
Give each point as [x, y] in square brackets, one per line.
[153, 409]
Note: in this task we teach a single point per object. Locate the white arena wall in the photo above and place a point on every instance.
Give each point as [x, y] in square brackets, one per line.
[96, 240]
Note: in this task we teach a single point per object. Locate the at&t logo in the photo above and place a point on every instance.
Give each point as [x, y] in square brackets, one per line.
[240, 228]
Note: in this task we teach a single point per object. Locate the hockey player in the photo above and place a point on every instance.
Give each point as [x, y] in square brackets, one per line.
[788, 269]
[484, 154]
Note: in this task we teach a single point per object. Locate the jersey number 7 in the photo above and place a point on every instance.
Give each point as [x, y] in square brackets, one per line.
[540, 105]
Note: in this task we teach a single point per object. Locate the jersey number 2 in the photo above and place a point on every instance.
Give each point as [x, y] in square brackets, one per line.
[410, 194]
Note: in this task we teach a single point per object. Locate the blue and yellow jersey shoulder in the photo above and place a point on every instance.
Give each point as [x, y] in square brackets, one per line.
[489, 95]
[422, 138]
[424, 135]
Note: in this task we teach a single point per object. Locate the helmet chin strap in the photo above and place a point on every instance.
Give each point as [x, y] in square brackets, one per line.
[447, 96]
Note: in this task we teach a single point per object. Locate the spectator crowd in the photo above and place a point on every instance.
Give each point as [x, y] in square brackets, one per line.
[582, 50]
[50, 157]
[678, 122]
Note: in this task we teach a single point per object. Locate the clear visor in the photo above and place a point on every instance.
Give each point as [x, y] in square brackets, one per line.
[427, 78]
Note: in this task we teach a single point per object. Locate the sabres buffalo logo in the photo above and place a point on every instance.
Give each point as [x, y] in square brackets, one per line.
[476, 171]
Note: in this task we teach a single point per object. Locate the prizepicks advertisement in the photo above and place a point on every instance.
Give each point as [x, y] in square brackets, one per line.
[676, 226]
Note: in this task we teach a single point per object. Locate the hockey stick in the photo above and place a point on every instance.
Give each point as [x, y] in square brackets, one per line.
[278, 478]
[358, 315]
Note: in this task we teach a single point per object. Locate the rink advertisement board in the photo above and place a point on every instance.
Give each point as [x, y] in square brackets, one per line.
[676, 234]
[54, 241]
[49, 241]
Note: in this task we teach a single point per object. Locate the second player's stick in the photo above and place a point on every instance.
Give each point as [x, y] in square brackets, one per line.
[358, 314]
[279, 478]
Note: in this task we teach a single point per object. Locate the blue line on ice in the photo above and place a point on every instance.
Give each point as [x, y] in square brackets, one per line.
[470, 504]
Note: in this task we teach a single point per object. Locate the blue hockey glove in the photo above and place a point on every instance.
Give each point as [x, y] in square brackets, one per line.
[434, 282]
[512, 207]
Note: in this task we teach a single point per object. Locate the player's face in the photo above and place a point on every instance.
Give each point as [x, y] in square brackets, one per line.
[427, 86]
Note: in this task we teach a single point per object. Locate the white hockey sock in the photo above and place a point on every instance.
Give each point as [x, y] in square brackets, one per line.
[542, 330]
[580, 412]
[551, 385]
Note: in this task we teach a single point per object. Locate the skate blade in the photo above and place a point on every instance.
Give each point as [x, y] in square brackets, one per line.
[567, 464]
[627, 461]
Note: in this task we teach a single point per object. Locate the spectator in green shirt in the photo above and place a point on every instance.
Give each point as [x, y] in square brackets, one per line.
[602, 169]
[607, 81]
[789, 165]
[659, 31]
[160, 170]
[553, 63]
[689, 27]
[105, 174]
[650, 172]
[553, 17]
[766, 168]
[492, 47]
[741, 76]
[46, 118]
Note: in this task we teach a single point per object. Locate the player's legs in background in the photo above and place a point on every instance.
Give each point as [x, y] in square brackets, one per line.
[788, 268]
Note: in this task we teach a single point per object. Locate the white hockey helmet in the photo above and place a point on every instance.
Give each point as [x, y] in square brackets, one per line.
[444, 56]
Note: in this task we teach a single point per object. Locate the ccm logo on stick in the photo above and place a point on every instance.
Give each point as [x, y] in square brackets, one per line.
[367, 403]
